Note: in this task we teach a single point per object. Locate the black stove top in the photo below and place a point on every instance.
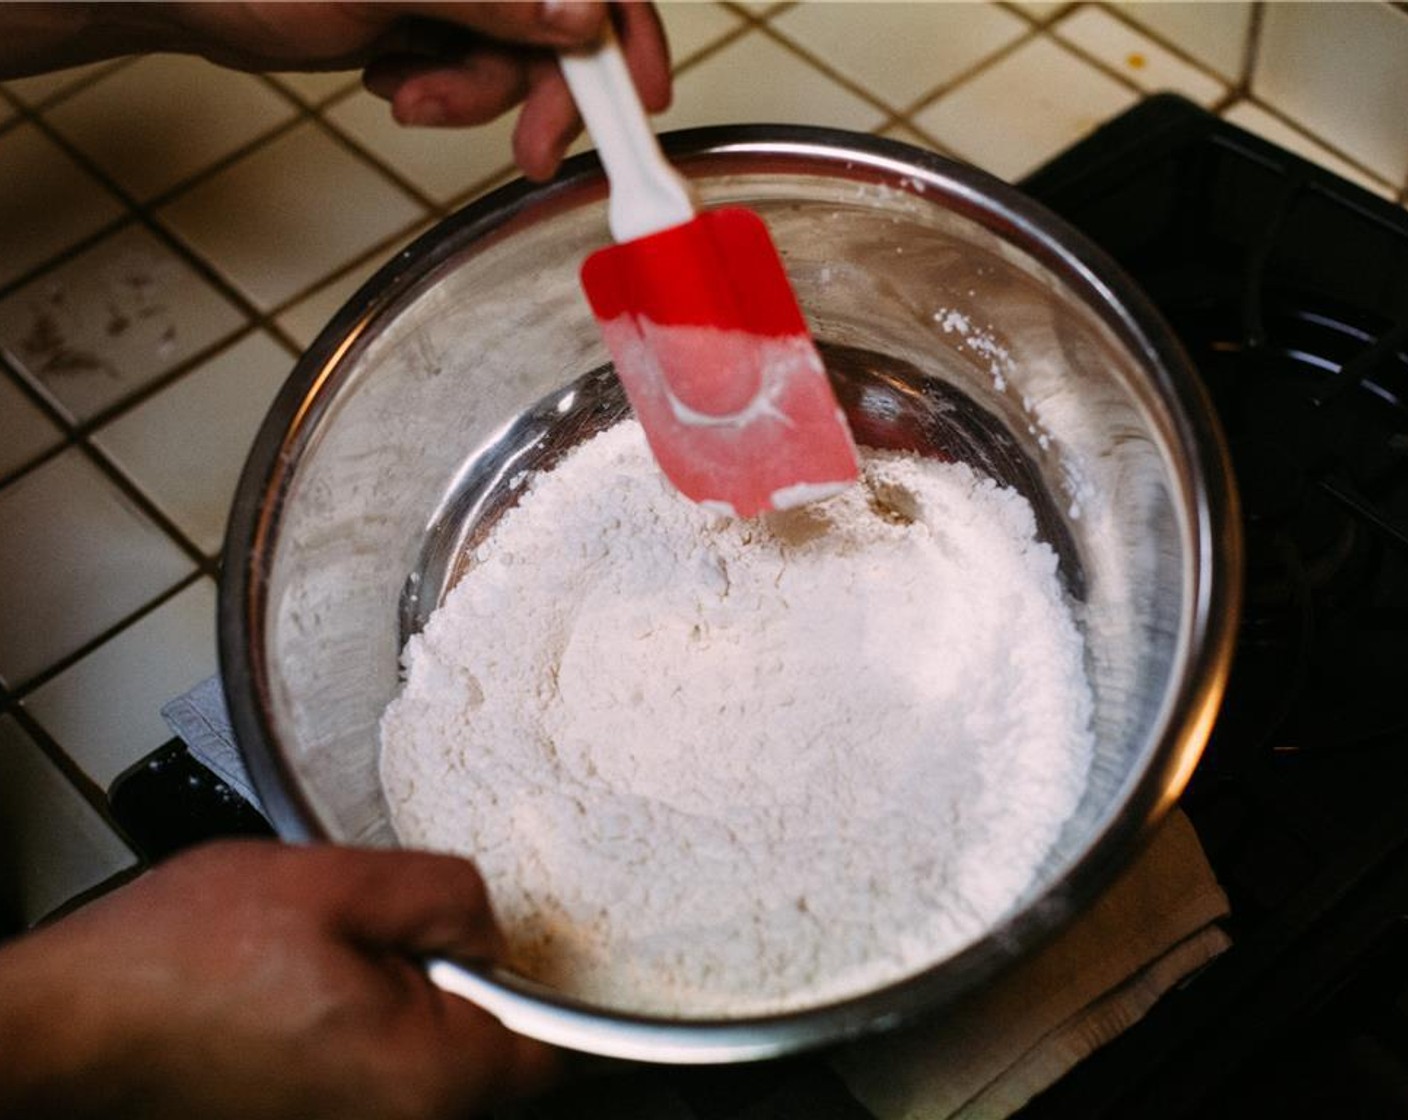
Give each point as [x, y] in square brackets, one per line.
[1289, 287]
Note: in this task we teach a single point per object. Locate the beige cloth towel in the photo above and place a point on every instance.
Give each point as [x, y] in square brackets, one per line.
[988, 1056]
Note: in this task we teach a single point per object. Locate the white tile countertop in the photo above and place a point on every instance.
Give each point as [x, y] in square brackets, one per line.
[171, 235]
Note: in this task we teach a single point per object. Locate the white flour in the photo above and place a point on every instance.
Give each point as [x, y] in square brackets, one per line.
[711, 766]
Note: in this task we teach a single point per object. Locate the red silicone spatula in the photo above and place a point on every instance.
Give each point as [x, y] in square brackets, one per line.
[702, 323]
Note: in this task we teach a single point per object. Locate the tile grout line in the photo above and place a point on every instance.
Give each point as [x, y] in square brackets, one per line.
[1114, 12]
[132, 206]
[76, 249]
[134, 210]
[750, 24]
[893, 116]
[1251, 58]
[106, 886]
[149, 508]
[819, 64]
[1031, 35]
[76, 433]
[144, 214]
[203, 565]
[1238, 90]
[33, 383]
[101, 69]
[1251, 48]
[18, 693]
[317, 118]
[83, 785]
[47, 408]
[1052, 32]
[1038, 21]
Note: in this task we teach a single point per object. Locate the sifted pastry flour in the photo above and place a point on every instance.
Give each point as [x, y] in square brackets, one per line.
[722, 767]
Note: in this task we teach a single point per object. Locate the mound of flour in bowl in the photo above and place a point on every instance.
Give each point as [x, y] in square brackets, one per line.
[720, 767]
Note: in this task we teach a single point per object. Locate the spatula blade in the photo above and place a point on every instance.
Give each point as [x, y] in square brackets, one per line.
[718, 363]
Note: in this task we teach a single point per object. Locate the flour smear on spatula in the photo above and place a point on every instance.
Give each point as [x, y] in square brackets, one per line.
[722, 767]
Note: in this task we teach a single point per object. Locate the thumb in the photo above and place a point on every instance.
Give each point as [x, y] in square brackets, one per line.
[421, 904]
[417, 903]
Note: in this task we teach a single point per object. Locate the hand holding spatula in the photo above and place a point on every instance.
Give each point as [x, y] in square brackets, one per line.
[702, 323]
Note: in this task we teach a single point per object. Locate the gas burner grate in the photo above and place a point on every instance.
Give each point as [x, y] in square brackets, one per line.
[1315, 423]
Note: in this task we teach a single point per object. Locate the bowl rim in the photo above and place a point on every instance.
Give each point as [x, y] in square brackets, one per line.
[1189, 710]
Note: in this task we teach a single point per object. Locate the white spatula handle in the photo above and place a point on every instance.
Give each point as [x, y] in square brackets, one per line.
[647, 194]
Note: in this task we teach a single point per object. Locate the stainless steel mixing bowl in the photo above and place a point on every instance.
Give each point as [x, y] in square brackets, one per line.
[957, 318]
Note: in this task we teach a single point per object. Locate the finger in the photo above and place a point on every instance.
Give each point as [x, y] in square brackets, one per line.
[548, 123]
[483, 1068]
[417, 903]
[505, 1066]
[647, 53]
[487, 83]
[549, 23]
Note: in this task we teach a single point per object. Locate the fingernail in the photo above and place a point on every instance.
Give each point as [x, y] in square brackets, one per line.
[570, 16]
[428, 112]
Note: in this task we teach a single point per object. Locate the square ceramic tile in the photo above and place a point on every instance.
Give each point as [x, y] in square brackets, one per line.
[105, 711]
[1024, 109]
[1214, 34]
[694, 27]
[185, 447]
[47, 202]
[280, 219]
[1136, 57]
[58, 846]
[755, 79]
[42, 88]
[305, 320]
[25, 432]
[76, 558]
[1341, 70]
[901, 52]
[154, 124]
[442, 162]
[1252, 117]
[318, 87]
[111, 319]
